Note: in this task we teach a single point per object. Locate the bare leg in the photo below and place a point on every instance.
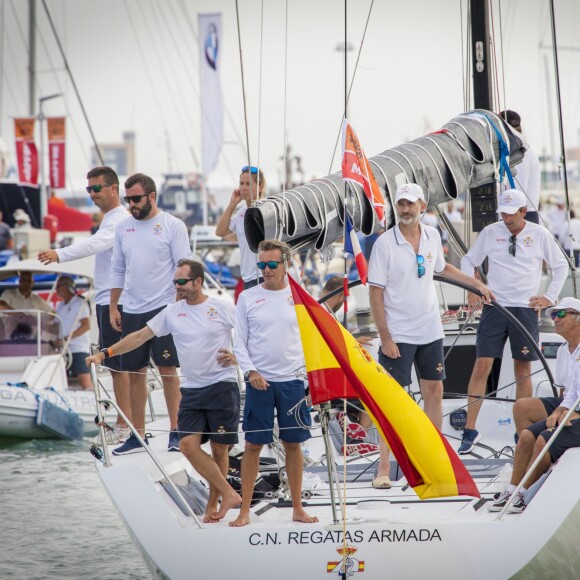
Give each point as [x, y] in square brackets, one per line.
[476, 388]
[190, 446]
[384, 467]
[524, 450]
[522, 370]
[171, 392]
[121, 389]
[364, 420]
[138, 385]
[527, 411]
[250, 468]
[542, 467]
[85, 381]
[294, 468]
[432, 392]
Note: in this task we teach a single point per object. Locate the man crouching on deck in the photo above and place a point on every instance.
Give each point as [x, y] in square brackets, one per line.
[201, 327]
[268, 348]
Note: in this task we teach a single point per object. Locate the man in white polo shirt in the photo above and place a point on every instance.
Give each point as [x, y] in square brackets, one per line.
[405, 306]
[148, 245]
[516, 250]
[201, 327]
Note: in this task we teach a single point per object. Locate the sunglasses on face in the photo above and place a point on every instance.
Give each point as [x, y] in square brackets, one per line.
[96, 188]
[512, 246]
[253, 170]
[420, 267]
[134, 198]
[182, 281]
[272, 264]
[560, 314]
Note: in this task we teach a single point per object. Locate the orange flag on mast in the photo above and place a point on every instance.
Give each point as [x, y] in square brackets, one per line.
[355, 167]
[338, 366]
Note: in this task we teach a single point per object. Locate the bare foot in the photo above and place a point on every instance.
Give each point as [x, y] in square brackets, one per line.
[242, 520]
[299, 515]
[229, 501]
[209, 510]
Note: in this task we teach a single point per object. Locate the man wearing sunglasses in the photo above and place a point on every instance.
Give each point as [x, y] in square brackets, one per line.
[269, 350]
[405, 306]
[103, 189]
[536, 418]
[201, 327]
[516, 251]
[148, 245]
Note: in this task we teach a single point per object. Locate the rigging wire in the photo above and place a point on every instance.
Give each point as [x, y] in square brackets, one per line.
[493, 61]
[462, 55]
[260, 94]
[352, 81]
[243, 83]
[284, 150]
[502, 58]
[2, 24]
[72, 80]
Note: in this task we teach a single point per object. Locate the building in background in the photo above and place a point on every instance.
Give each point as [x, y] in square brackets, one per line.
[119, 156]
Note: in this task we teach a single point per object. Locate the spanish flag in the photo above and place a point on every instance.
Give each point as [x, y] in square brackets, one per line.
[338, 366]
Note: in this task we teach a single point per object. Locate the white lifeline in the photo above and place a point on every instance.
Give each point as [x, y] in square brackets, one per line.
[145, 255]
[101, 245]
[266, 336]
[199, 331]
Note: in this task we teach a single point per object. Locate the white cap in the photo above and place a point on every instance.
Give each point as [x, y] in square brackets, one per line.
[567, 303]
[511, 201]
[21, 216]
[411, 192]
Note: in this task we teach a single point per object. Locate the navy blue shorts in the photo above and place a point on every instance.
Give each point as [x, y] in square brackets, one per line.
[108, 336]
[259, 409]
[213, 410]
[252, 283]
[551, 403]
[495, 328]
[567, 438]
[78, 365]
[428, 360]
[160, 348]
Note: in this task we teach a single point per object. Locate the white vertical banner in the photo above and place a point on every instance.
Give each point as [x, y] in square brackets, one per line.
[212, 110]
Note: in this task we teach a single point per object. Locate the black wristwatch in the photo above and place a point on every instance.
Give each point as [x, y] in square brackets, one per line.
[247, 375]
[105, 351]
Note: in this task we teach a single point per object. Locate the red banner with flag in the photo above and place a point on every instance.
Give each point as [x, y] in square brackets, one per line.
[338, 366]
[356, 167]
[26, 152]
[56, 151]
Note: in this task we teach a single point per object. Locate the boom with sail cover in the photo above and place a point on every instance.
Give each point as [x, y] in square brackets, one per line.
[466, 153]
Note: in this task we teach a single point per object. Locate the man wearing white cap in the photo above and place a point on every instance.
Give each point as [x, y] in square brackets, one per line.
[405, 306]
[536, 417]
[21, 220]
[516, 250]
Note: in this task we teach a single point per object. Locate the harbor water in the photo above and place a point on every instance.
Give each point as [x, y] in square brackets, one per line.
[57, 519]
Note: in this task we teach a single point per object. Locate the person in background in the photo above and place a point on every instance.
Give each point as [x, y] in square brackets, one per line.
[97, 220]
[571, 237]
[557, 218]
[148, 245]
[231, 225]
[103, 189]
[22, 298]
[6, 241]
[268, 348]
[516, 251]
[75, 321]
[527, 179]
[21, 220]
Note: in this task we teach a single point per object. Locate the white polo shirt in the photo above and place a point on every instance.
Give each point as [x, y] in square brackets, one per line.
[75, 309]
[248, 259]
[515, 279]
[411, 303]
[199, 331]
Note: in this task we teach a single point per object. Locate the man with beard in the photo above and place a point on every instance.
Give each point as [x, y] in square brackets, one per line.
[405, 306]
[516, 251]
[103, 188]
[148, 245]
[201, 327]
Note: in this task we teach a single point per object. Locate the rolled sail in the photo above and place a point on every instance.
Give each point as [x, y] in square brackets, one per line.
[465, 153]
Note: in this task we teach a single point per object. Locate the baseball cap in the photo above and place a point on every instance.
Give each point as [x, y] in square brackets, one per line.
[512, 118]
[410, 191]
[567, 303]
[511, 200]
[21, 216]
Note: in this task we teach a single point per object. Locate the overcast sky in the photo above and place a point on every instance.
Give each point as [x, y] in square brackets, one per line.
[136, 66]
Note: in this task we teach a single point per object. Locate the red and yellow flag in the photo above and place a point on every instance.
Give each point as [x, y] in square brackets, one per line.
[356, 167]
[338, 366]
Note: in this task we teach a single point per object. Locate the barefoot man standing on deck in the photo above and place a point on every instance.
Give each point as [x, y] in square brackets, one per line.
[201, 327]
[268, 348]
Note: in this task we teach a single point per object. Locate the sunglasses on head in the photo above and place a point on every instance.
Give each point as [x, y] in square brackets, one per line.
[97, 187]
[182, 281]
[272, 264]
[253, 170]
[420, 267]
[134, 198]
[560, 314]
[512, 246]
